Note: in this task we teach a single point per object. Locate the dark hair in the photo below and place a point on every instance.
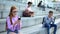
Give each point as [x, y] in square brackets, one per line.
[39, 4]
[50, 11]
[29, 2]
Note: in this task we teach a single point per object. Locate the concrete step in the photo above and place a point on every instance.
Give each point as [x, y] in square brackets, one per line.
[37, 29]
[21, 6]
[26, 21]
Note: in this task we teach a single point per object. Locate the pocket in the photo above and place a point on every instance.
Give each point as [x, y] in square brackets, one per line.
[9, 30]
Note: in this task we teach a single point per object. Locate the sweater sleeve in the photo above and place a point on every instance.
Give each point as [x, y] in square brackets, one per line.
[9, 25]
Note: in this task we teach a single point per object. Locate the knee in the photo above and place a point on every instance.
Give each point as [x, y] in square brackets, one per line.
[55, 25]
[48, 26]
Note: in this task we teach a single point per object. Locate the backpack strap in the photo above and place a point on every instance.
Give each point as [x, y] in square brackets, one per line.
[6, 26]
[43, 20]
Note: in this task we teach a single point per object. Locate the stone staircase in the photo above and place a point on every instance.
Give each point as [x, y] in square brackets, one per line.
[34, 29]
[30, 25]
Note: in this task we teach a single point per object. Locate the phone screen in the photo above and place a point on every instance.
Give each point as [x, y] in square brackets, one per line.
[19, 18]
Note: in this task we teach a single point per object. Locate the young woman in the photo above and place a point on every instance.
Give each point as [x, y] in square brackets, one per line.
[13, 21]
[28, 11]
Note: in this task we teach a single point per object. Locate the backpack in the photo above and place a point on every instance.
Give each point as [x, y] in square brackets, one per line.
[43, 20]
[6, 26]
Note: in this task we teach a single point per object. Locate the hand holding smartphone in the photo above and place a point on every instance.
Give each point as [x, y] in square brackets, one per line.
[17, 22]
[19, 18]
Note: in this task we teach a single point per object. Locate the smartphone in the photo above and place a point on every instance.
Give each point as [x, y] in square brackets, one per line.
[19, 18]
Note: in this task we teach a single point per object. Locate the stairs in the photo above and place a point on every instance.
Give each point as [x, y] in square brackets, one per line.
[37, 29]
[30, 25]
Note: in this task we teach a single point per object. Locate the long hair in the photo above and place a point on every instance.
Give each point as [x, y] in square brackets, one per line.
[10, 14]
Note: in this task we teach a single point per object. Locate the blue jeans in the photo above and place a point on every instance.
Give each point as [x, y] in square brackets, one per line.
[8, 31]
[48, 26]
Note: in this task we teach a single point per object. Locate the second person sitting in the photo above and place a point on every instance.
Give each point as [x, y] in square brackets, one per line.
[28, 11]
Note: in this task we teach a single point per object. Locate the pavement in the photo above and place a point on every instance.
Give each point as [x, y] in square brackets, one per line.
[58, 32]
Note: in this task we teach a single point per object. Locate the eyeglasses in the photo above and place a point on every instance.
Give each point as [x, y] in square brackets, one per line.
[15, 11]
